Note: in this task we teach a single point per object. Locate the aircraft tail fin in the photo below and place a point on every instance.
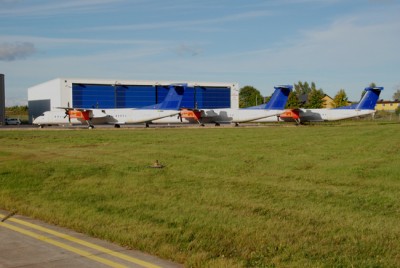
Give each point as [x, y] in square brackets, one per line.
[368, 101]
[370, 98]
[173, 99]
[278, 99]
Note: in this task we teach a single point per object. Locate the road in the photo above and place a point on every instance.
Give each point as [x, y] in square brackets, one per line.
[26, 242]
[30, 127]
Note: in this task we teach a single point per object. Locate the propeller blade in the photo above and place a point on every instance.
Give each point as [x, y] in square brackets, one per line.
[69, 116]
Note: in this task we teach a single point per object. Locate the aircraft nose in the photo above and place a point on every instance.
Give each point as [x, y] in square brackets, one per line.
[37, 120]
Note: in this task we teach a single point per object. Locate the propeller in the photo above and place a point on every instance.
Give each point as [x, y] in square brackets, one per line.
[180, 117]
[67, 113]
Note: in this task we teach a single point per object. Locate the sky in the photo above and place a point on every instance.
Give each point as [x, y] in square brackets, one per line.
[338, 44]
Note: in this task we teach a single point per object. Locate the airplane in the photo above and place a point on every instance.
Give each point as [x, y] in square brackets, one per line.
[366, 106]
[168, 107]
[274, 107]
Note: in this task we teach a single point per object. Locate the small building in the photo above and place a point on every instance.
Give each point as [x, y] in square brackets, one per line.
[328, 102]
[110, 94]
[386, 105]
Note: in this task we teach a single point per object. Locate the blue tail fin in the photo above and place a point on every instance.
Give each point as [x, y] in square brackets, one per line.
[173, 99]
[370, 98]
[278, 99]
[368, 101]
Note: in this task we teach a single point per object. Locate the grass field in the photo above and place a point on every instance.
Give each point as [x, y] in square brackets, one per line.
[309, 196]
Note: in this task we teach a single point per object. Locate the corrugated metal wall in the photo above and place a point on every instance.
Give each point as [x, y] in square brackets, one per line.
[136, 96]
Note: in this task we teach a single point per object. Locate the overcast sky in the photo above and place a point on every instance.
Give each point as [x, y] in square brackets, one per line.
[335, 43]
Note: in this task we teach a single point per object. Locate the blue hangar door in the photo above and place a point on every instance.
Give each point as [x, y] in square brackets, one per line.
[112, 96]
[206, 97]
[137, 96]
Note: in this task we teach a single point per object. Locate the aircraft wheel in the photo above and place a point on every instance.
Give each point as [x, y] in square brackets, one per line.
[117, 126]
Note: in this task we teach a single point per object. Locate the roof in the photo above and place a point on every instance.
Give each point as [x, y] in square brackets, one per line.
[388, 101]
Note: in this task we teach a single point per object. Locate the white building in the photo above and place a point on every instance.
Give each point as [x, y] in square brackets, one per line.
[108, 94]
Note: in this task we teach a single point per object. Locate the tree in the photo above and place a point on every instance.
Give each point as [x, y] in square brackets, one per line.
[314, 100]
[397, 111]
[341, 98]
[17, 110]
[293, 101]
[313, 86]
[302, 88]
[396, 95]
[372, 84]
[249, 96]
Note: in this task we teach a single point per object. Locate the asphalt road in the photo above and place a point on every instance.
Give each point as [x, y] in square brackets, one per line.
[24, 127]
[25, 242]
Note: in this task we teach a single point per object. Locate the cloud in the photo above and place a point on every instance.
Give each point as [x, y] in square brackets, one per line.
[348, 44]
[183, 50]
[15, 51]
[183, 24]
[53, 8]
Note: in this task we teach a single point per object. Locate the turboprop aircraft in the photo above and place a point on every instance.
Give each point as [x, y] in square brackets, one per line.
[66, 115]
[366, 106]
[274, 107]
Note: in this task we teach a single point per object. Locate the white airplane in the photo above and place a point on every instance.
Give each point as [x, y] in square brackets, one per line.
[365, 107]
[169, 107]
[274, 107]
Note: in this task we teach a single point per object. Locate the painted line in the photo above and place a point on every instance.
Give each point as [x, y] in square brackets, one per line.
[62, 245]
[84, 243]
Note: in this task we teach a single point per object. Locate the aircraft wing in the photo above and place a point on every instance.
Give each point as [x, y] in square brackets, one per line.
[137, 116]
[161, 114]
[79, 112]
[75, 109]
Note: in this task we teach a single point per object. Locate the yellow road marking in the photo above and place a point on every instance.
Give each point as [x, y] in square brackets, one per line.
[84, 243]
[62, 245]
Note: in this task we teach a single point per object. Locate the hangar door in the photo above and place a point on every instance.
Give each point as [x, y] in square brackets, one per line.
[136, 96]
[207, 97]
[109, 96]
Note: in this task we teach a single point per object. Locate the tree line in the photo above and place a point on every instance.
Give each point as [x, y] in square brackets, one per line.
[304, 95]
[17, 110]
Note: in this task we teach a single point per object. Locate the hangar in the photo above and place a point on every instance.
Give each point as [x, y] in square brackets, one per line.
[110, 94]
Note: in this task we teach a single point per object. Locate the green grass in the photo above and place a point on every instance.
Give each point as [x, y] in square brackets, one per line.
[309, 196]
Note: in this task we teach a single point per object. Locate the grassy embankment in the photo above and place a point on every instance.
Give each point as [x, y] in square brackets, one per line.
[270, 196]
